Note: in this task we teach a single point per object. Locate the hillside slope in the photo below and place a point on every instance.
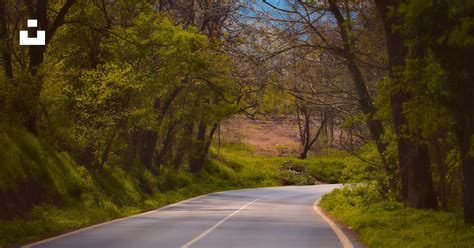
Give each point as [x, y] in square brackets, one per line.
[32, 173]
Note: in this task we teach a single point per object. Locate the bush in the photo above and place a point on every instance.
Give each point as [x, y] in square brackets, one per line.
[291, 178]
[327, 171]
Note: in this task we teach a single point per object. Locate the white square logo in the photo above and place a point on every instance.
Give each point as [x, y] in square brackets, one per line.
[39, 40]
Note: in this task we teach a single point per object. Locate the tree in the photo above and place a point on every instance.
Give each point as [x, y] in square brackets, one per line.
[312, 18]
[51, 22]
[440, 39]
[307, 141]
[417, 183]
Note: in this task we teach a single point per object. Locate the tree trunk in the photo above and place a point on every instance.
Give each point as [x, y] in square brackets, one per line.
[36, 56]
[365, 102]
[147, 149]
[108, 147]
[438, 158]
[331, 130]
[184, 145]
[457, 64]
[166, 146]
[305, 134]
[416, 175]
[133, 147]
[304, 153]
[207, 145]
[194, 163]
[6, 54]
[309, 143]
[300, 127]
[465, 135]
[468, 183]
[146, 140]
[417, 183]
[202, 147]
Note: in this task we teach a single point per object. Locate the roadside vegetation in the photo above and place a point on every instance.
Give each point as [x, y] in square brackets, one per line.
[381, 222]
[290, 170]
[73, 197]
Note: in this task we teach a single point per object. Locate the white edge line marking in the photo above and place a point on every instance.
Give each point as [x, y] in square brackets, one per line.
[112, 221]
[346, 243]
[203, 234]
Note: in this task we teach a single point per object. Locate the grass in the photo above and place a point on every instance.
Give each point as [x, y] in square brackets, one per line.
[382, 223]
[328, 168]
[24, 158]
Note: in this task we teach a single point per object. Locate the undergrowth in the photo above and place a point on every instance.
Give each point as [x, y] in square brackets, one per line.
[384, 223]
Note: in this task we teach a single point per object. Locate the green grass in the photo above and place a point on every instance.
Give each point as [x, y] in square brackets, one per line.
[329, 168]
[389, 224]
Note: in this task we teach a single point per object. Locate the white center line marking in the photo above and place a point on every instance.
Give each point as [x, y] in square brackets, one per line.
[203, 234]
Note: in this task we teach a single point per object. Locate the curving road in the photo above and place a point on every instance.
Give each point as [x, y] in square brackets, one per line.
[280, 217]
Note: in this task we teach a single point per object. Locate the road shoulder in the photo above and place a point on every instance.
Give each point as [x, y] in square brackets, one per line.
[348, 237]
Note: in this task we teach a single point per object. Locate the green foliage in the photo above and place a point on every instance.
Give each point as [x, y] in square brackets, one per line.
[146, 74]
[424, 112]
[106, 83]
[120, 188]
[455, 14]
[376, 221]
[367, 166]
[27, 159]
[312, 170]
[258, 170]
[437, 77]
[276, 101]
[291, 178]
[327, 169]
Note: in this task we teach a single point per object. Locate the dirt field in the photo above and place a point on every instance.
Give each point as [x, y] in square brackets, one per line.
[272, 136]
[275, 136]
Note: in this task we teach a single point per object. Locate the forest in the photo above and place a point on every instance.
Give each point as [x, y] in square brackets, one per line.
[124, 108]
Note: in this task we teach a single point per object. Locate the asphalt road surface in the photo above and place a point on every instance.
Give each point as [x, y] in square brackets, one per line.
[280, 217]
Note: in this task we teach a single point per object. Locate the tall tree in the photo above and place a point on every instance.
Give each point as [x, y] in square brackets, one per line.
[440, 35]
[417, 182]
[365, 101]
[4, 39]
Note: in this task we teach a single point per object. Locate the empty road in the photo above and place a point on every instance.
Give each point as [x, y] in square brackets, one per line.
[280, 217]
